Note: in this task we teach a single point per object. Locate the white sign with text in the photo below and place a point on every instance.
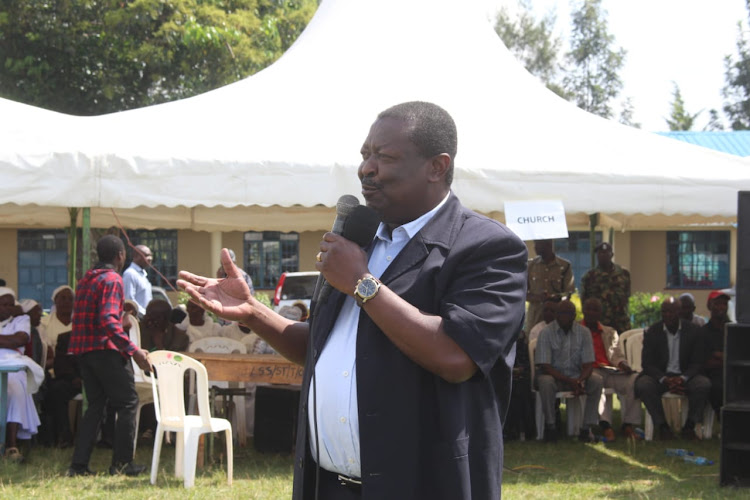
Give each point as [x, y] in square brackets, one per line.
[536, 220]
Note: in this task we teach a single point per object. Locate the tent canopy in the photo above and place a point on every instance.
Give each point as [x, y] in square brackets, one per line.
[276, 150]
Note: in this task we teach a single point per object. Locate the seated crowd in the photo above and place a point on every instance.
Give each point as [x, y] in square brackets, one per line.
[41, 410]
[682, 354]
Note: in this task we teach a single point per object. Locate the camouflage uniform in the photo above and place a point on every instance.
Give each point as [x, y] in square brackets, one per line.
[612, 288]
[555, 278]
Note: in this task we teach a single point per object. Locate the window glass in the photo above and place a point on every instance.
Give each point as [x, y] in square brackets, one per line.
[163, 245]
[267, 254]
[698, 259]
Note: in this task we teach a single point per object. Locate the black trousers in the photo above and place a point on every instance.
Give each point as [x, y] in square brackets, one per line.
[107, 376]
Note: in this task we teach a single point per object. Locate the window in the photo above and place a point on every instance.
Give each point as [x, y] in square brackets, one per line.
[697, 259]
[268, 254]
[163, 245]
[577, 249]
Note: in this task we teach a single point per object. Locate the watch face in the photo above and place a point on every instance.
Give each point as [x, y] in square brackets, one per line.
[367, 288]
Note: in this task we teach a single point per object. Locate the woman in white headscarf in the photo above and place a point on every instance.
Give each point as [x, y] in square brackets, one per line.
[59, 319]
[22, 417]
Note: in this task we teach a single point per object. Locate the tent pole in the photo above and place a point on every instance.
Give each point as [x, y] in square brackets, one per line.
[72, 246]
[85, 237]
[593, 221]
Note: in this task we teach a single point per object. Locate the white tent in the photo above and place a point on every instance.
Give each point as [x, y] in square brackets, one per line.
[276, 150]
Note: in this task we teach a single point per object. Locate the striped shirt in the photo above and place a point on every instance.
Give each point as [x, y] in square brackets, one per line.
[97, 322]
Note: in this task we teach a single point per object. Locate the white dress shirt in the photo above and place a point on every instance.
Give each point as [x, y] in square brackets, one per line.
[136, 286]
[335, 377]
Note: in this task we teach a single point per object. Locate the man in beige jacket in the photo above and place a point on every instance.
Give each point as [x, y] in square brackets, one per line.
[611, 365]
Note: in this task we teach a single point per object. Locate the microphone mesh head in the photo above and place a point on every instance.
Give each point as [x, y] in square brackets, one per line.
[346, 204]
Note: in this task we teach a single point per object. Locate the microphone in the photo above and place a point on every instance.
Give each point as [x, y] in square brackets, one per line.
[344, 207]
[356, 223]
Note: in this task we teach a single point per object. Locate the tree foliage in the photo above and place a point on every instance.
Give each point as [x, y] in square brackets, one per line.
[736, 92]
[98, 56]
[532, 42]
[679, 118]
[593, 77]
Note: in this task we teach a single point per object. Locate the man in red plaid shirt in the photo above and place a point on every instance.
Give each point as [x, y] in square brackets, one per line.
[104, 351]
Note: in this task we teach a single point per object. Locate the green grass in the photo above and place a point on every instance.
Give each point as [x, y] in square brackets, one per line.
[623, 469]
[566, 469]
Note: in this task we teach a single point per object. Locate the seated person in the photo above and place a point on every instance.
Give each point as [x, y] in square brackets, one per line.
[548, 316]
[198, 324]
[713, 334]
[22, 418]
[65, 385]
[672, 358]
[36, 345]
[520, 415]
[616, 374]
[58, 321]
[565, 358]
[158, 333]
[687, 310]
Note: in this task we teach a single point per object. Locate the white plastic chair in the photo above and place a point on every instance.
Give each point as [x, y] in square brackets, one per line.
[573, 404]
[675, 406]
[226, 345]
[608, 393]
[169, 403]
[142, 381]
[623, 338]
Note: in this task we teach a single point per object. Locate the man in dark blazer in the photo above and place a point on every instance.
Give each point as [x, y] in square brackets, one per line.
[672, 358]
[402, 405]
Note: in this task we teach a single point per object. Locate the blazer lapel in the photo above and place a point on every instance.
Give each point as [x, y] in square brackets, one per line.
[434, 233]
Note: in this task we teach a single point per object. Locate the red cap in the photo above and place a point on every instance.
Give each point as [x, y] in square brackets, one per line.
[714, 294]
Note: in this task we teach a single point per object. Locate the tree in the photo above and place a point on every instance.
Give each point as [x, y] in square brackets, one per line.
[99, 56]
[532, 42]
[626, 114]
[736, 92]
[680, 119]
[594, 61]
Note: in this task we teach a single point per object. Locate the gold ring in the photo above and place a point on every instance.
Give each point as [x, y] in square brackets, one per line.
[319, 257]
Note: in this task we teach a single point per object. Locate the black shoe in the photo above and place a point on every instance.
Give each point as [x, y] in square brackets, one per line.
[665, 433]
[128, 469]
[586, 436]
[74, 471]
[688, 433]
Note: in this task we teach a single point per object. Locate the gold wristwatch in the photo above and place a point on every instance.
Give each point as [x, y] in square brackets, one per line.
[367, 288]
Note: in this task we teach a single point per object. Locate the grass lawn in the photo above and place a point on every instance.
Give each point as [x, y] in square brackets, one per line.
[567, 469]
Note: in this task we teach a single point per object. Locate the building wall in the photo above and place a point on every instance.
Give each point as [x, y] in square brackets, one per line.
[309, 246]
[9, 265]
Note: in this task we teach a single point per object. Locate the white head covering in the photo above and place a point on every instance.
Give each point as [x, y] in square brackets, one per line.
[60, 289]
[28, 304]
[4, 290]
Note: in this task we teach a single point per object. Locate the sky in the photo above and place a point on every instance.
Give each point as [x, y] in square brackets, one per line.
[680, 41]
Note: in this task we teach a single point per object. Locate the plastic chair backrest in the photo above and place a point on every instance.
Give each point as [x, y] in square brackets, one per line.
[218, 345]
[169, 386]
[633, 350]
[624, 336]
[532, 369]
[135, 337]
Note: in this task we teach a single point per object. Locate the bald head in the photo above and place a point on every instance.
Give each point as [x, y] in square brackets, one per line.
[142, 256]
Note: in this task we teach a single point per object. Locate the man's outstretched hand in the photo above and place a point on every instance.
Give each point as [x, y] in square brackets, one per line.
[228, 298]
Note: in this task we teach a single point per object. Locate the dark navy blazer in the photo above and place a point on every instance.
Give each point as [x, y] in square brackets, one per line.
[420, 436]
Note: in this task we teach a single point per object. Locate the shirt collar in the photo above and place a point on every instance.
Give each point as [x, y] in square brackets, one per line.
[413, 227]
[679, 329]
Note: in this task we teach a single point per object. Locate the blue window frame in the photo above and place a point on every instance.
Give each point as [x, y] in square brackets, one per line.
[698, 259]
